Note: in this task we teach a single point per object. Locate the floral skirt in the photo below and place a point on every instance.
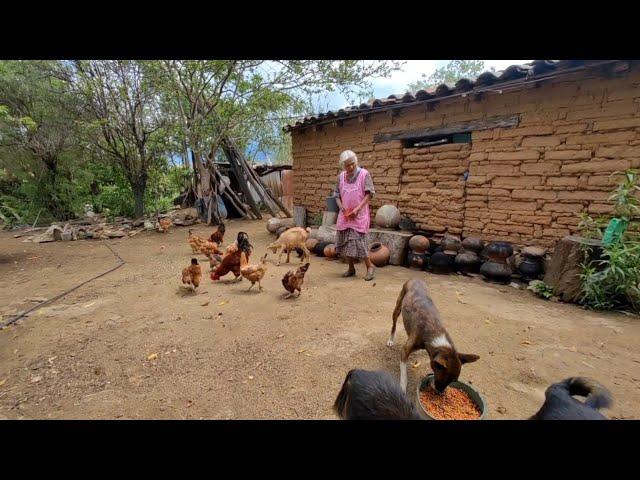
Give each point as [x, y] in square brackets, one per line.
[350, 243]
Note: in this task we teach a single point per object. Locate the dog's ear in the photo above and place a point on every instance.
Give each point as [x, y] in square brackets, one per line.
[439, 361]
[468, 357]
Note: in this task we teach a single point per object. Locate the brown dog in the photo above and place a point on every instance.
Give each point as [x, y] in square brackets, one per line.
[425, 331]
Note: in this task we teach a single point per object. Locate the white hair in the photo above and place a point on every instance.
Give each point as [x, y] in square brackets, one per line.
[348, 155]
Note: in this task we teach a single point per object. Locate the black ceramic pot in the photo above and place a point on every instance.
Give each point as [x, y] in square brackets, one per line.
[467, 262]
[441, 262]
[319, 248]
[498, 251]
[473, 244]
[417, 260]
[530, 268]
[496, 271]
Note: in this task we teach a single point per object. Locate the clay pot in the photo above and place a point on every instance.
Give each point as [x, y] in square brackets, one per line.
[330, 251]
[451, 244]
[311, 243]
[417, 260]
[441, 262]
[533, 252]
[473, 244]
[419, 243]
[319, 248]
[407, 224]
[467, 262]
[499, 251]
[387, 216]
[530, 268]
[379, 254]
[273, 224]
[496, 271]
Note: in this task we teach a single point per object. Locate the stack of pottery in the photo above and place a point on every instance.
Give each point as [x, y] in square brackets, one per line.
[443, 261]
[497, 268]
[468, 259]
[418, 256]
[532, 264]
[379, 254]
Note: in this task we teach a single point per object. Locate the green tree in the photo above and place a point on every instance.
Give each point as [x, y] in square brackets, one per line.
[38, 122]
[450, 73]
[123, 116]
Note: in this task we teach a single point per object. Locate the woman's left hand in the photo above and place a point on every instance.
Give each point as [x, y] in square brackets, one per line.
[354, 213]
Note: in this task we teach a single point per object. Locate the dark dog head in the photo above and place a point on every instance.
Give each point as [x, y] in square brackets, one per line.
[446, 365]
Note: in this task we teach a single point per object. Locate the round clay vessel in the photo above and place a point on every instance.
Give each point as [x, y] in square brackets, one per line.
[311, 243]
[419, 243]
[379, 254]
[273, 224]
[450, 244]
[473, 244]
[496, 271]
[407, 224]
[533, 252]
[530, 268]
[467, 262]
[387, 216]
[499, 251]
[417, 260]
[319, 248]
[441, 262]
[330, 251]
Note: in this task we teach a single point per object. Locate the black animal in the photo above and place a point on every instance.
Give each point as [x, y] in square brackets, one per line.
[559, 403]
[367, 395]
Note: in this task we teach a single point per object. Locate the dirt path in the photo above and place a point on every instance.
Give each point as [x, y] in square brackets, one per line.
[261, 357]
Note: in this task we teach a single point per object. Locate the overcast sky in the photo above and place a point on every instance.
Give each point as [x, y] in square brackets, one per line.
[411, 71]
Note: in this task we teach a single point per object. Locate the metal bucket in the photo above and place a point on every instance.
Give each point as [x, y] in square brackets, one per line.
[477, 398]
[332, 205]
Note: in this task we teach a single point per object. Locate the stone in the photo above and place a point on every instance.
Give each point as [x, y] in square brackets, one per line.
[563, 269]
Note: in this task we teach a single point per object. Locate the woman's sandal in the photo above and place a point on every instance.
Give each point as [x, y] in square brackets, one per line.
[370, 274]
[349, 273]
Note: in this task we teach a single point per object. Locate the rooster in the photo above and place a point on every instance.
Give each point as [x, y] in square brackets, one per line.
[231, 261]
[253, 273]
[293, 280]
[218, 235]
[192, 274]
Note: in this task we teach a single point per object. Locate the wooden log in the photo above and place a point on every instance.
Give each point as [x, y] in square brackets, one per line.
[465, 127]
[563, 270]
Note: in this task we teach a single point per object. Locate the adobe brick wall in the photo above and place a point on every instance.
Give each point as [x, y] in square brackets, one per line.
[526, 184]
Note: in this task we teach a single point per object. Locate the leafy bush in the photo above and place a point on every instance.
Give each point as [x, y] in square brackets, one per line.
[541, 289]
[612, 281]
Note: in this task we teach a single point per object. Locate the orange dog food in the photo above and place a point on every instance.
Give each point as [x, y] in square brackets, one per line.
[453, 404]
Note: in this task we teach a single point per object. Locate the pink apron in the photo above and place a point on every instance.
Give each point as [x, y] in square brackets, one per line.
[351, 194]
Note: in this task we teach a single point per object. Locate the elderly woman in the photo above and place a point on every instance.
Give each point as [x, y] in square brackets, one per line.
[353, 192]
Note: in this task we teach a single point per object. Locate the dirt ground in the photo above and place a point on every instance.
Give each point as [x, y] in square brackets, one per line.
[225, 353]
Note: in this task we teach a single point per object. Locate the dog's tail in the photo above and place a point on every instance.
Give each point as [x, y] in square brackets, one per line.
[342, 400]
[597, 396]
[398, 309]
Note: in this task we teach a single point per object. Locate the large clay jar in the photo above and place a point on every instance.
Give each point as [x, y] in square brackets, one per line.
[497, 268]
[467, 262]
[379, 254]
[532, 264]
[451, 244]
[273, 224]
[419, 243]
[330, 251]
[496, 272]
[319, 248]
[387, 216]
[417, 260]
[473, 244]
[311, 243]
[441, 262]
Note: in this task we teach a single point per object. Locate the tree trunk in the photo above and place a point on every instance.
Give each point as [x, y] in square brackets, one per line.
[138, 195]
